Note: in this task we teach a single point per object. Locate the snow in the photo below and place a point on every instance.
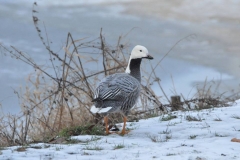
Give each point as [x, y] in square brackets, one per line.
[153, 138]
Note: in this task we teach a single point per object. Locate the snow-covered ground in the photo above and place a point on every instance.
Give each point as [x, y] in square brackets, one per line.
[207, 138]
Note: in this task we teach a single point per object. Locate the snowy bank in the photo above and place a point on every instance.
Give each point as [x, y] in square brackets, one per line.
[193, 135]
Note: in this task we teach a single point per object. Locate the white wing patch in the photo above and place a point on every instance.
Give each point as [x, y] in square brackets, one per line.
[100, 110]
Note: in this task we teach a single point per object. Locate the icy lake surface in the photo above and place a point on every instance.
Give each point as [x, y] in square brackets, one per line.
[212, 51]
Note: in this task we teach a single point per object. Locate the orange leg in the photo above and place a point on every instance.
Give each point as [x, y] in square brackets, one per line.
[124, 126]
[106, 124]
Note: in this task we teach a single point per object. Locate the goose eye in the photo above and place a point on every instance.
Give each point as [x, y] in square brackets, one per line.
[140, 50]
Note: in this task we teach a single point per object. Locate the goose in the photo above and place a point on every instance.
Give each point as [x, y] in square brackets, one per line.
[119, 92]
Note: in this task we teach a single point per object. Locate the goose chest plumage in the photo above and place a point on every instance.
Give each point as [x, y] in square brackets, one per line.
[119, 92]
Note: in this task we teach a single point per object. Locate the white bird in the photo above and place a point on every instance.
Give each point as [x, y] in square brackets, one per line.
[119, 92]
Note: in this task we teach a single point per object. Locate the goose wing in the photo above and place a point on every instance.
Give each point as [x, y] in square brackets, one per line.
[116, 87]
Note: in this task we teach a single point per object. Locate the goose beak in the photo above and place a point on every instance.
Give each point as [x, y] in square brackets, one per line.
[149, 57]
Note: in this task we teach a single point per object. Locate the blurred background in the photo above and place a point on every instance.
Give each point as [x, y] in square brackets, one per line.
[210, 51]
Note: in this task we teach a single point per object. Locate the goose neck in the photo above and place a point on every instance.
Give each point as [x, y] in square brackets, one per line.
[134, 68]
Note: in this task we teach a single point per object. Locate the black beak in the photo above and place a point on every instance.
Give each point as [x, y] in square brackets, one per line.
[149, 57]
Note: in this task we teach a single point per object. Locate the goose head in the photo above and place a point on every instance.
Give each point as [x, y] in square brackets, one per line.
[138, 52]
